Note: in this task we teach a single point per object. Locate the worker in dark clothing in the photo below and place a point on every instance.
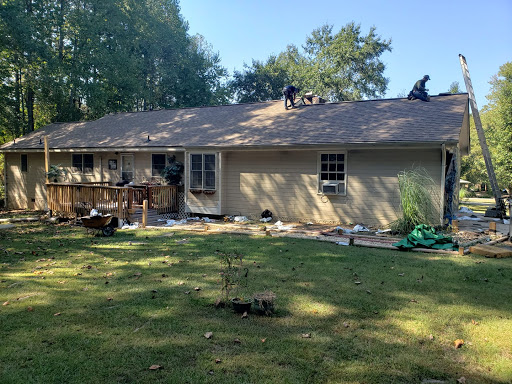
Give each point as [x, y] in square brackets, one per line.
[289, 93]
[419, 91]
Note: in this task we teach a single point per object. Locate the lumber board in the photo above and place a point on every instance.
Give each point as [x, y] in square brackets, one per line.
[491, 251]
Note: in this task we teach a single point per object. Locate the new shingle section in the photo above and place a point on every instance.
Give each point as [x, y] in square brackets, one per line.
[264, 124]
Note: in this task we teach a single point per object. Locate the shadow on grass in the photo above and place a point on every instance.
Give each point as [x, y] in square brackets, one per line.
[112, 307]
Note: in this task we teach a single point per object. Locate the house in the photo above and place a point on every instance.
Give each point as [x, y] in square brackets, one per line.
[330, 162]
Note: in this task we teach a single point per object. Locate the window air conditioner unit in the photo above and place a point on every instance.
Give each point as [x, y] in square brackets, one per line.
[331, 188]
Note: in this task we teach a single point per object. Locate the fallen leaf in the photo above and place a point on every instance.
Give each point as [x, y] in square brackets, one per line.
[6, 303]
[401, 274]
[218, 361]
[263, 340]
[30, 309]
[154, 367]
[208, 335]
[413, 301]
[431, 337]
[187, 292]
[197, 289]
[368, 292]
[306, 335]
[346, 325]
[461, 380]
[109, 299]
[458, 343]
[474, 322]
[56, 314]
[245, 315]
[237, 341]
[357, 282]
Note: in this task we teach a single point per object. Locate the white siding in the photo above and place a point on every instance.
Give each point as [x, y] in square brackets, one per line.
[286, 183]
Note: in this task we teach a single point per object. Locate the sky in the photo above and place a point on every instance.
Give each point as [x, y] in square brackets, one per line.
[426, 37]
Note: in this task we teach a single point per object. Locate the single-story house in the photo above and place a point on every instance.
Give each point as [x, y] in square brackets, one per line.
[329, 162]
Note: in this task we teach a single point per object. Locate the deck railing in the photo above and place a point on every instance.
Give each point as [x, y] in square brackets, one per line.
[80, 199]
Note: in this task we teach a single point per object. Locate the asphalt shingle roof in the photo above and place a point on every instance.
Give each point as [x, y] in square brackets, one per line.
[264, 124]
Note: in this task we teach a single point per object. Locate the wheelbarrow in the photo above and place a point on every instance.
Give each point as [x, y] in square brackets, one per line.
[100, 224]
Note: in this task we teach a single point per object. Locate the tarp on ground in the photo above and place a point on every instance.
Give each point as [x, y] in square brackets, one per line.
[424, 236]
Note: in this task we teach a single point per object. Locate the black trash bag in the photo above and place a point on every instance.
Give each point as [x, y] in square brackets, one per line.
[266, 213]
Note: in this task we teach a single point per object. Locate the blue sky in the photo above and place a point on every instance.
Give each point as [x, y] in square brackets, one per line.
[426, 36]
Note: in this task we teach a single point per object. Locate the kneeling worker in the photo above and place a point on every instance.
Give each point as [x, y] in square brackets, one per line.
[419, 91]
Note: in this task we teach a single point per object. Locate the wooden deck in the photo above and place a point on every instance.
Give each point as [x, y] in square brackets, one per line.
[79, 199]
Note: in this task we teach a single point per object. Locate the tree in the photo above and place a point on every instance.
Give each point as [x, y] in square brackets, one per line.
[346, 65]
[454, 87]
[338, 66]
[498, 116]
[66, 60]
[260, 82]
[497, 124]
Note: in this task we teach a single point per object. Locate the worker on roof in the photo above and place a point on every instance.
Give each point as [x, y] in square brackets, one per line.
[289, 93]
[419, 91]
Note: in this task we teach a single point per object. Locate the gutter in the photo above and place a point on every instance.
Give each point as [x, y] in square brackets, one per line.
[213, 147]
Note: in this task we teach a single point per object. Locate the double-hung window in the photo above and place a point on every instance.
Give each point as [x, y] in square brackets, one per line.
[202, 171]
[332, 175]
[157, 164]
[82, 163]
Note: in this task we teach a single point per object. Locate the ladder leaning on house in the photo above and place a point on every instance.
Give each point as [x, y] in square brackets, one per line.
[499, 209]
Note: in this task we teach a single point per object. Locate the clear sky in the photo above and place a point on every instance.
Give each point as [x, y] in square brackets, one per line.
[427, 37]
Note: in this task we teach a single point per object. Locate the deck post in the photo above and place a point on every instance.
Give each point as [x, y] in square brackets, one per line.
[144, 213]
[46, 158]
[120, 203]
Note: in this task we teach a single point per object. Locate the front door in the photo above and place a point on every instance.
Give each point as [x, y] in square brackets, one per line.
[127, 167]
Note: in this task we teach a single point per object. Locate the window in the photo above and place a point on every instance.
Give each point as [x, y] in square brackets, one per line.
[82, 163]
[157, 164]
[332, 171]
[24, 163]
[202, 171]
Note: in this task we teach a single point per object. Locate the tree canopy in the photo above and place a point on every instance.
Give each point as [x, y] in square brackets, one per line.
[65, 60]
[345, 65]
[497, 123]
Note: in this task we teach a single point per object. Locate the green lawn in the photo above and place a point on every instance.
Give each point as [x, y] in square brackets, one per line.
[83, 309]
[478, 204]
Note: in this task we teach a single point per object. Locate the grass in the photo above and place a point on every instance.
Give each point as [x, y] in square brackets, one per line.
[478, 204]
[83, 309]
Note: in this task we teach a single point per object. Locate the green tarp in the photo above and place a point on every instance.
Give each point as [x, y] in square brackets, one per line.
[424, 236]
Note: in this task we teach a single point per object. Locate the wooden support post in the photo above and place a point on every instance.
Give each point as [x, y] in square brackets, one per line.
[492, 226]
[120, 204]
[455, 226]
[144, 213]
[350, 241]
[46, 158]
[461, 251]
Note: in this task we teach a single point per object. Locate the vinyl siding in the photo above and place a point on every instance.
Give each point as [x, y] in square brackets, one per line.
[26, 190]
[285, 182]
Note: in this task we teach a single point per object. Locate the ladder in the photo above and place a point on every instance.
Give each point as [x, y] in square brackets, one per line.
[499, 209]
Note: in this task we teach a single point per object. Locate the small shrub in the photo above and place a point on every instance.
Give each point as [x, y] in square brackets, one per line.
[173, 172]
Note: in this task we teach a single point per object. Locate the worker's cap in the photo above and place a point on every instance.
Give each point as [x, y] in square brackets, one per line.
[426, 77]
